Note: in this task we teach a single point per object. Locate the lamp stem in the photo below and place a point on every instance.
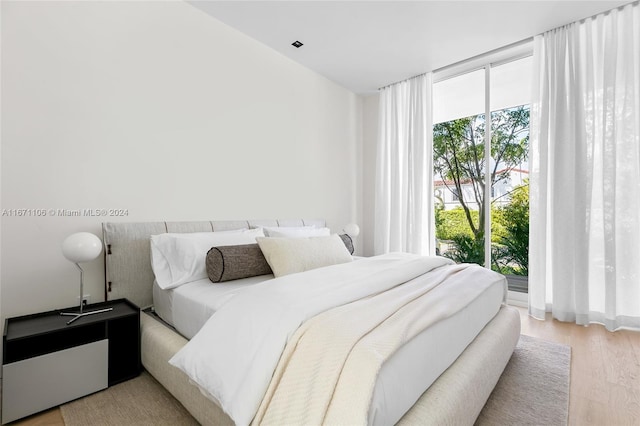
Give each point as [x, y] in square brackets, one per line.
[81, 313]
[81, 285]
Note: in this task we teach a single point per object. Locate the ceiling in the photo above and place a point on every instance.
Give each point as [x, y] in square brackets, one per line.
[365, 45]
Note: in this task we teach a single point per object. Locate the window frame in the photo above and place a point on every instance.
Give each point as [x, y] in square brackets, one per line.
[510, 53]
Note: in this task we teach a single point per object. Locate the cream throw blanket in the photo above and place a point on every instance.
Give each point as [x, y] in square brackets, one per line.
[328, 370]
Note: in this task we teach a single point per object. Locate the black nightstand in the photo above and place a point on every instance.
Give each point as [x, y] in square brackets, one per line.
[47, 362]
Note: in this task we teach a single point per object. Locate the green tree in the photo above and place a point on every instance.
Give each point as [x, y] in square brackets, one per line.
[459, 158]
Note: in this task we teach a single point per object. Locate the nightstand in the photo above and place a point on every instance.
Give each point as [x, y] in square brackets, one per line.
[47, 362]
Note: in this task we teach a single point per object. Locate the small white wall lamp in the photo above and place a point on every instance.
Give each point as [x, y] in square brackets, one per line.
[351, 230]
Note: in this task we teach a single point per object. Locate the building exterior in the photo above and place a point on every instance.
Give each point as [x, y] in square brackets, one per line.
[445, 191]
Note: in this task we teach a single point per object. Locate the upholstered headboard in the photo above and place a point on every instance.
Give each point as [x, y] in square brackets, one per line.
[128, 271]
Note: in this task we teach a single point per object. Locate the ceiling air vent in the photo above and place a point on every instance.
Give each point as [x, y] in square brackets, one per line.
[296, 44]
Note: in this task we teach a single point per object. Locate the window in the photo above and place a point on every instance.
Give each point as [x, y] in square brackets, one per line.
[488, 220]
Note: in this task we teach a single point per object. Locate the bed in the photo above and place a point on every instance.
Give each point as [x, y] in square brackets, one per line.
[457, 389]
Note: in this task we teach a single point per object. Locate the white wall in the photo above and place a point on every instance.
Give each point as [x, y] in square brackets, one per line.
[159, 109]
[369, 142]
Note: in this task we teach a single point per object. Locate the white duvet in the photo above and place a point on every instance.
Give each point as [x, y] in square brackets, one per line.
[256, 325]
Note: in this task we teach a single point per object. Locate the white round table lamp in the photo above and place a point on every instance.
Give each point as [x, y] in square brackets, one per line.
[79, 248]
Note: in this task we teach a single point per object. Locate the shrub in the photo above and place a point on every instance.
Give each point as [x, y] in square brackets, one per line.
[466, 250]
[451, 224]
[516, 225]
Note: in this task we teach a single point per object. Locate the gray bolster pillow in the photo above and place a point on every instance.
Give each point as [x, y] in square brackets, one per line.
[228, 263]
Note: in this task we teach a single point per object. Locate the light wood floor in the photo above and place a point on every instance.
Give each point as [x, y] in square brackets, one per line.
[605, 374]
[605, 370]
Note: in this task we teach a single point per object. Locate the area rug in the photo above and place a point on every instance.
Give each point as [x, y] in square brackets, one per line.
[140, 401]
[533, 390]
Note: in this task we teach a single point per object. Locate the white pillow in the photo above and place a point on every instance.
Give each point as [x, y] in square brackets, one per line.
[296, 231]
[291, 255]
[177, 259]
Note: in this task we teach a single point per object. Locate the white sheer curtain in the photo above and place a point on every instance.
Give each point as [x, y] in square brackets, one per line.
[404, 216]
[584, 261]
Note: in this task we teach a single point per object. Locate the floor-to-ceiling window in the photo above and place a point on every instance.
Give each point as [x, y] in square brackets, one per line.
[482, 190]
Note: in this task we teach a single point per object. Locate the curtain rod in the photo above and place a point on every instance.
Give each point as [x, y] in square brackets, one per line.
[509, 46]
[606, 12]
[400, 81]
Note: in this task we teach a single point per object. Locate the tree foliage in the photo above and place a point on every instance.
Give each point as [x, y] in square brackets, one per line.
[459, 157]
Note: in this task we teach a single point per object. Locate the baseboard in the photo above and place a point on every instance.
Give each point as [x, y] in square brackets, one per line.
[515, 298]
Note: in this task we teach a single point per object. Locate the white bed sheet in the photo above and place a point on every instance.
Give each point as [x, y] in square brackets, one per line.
[401, 380]
[189, 306]
[194, 295]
